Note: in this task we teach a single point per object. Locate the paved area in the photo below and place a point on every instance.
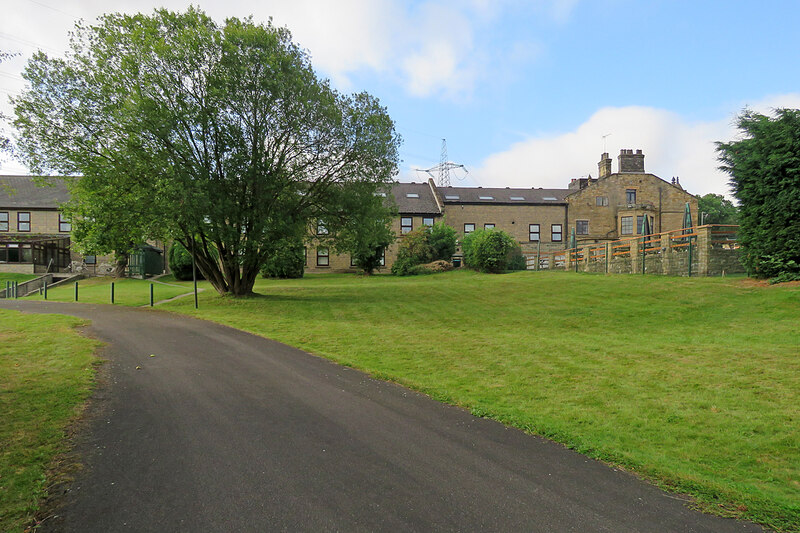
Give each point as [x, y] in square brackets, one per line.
[226, 431]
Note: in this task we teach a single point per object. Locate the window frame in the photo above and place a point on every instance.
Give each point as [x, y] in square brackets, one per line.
[425, 223]
[622, 224]
[531, 232]
[578, 224]
[64, 221]
[406, 228]
[469, 224]
[489, 225]
[628, 194]
[326, 256]
[560, 233]
[601, 201]
[321, 228]
[20, 222]
[6, 221]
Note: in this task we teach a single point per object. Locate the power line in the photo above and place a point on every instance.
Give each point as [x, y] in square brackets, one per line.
[42, 4]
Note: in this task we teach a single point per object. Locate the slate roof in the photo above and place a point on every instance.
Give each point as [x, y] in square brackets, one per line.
[22, 192]
[504, 196]
[423, 204]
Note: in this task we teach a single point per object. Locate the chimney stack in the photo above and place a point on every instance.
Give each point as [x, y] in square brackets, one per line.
[630, 162]
[604, 166]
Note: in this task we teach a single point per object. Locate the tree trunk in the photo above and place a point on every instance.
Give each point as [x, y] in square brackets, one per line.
[121, 265]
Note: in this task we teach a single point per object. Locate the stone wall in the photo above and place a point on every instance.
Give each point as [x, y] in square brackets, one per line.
[706, 251]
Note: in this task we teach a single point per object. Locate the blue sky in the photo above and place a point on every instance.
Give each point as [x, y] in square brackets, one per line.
[523, 91]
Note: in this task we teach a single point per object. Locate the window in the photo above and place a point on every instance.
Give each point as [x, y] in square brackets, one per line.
[550, 198]
[640, 224]
[486, 197]
[321, 229]
[4, 221]
[406, 224]
[630, 196]
[451, 197]
[23, 221]
[383, 257]
[64, 225]
[626, 225]
[582, 227]
[533, 232]
[601, 201]
[90, 259]
[323, 259]
[381, 194]
[427, 221]
[488, 226]
[412, 195]
[469, 228]
[517, 198]
[556, 233]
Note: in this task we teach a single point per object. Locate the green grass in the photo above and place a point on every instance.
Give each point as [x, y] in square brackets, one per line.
[691, 383]
[46, 374]
[10, 276]
[131, 292]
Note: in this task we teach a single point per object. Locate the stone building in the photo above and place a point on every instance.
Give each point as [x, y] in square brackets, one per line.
[614, 205]
[609, 207]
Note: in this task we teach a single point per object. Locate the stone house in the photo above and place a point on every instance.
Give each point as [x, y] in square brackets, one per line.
[602, 209]
[34, 234]
[614, 205]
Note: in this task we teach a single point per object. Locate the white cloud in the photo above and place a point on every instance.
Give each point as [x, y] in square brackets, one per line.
[673, 146]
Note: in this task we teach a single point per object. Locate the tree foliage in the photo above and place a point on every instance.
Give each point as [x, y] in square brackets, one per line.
[365, 232]
[287, 261]
[218, 134]
[764, 166]
[717, 209]
[180, 262]
[414, 249]
[443, 239]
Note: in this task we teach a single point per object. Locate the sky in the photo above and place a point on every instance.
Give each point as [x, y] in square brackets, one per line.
[526, 93]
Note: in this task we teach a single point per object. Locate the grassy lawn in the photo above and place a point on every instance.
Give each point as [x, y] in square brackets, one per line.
[692, 383]
[10, 276]
[46, 373]
[132, 292]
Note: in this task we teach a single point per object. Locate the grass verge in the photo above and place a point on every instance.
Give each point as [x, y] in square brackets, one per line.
[46, 374]
[693, 383]
[129, 292]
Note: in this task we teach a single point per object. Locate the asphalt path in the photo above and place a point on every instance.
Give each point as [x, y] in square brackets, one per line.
[226, 431]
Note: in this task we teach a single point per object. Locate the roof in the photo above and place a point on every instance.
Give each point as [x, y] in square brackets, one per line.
[415, 199]
[502, 196]
[29, 192]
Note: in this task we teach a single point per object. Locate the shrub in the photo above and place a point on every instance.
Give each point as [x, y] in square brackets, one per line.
[488, 250]
[443, 240]
[288, 261]
[414, 250]
[517, 261]
[180, 262]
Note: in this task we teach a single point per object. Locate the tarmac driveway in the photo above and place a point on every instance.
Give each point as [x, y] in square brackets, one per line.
[226, 431]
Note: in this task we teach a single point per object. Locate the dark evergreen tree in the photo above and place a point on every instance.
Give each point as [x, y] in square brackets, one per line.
[764, 166]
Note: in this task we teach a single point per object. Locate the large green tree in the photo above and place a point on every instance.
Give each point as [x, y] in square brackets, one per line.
[716, 209]
[764, 166]
[221, 136]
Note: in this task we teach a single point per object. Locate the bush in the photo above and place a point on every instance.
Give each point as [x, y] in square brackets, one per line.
[287, 262]
[414, 250]
[517, 261]
[180, 263]
[443, 240]
[488, 250]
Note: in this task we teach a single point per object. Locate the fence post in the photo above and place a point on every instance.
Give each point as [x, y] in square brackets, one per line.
[76, 291]
[690, 257]
[7, 294]
[112, 292]
[538, 252]
[45, 289]
[151, 295]
[607, 252]
[644, 254]
[16, 289]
